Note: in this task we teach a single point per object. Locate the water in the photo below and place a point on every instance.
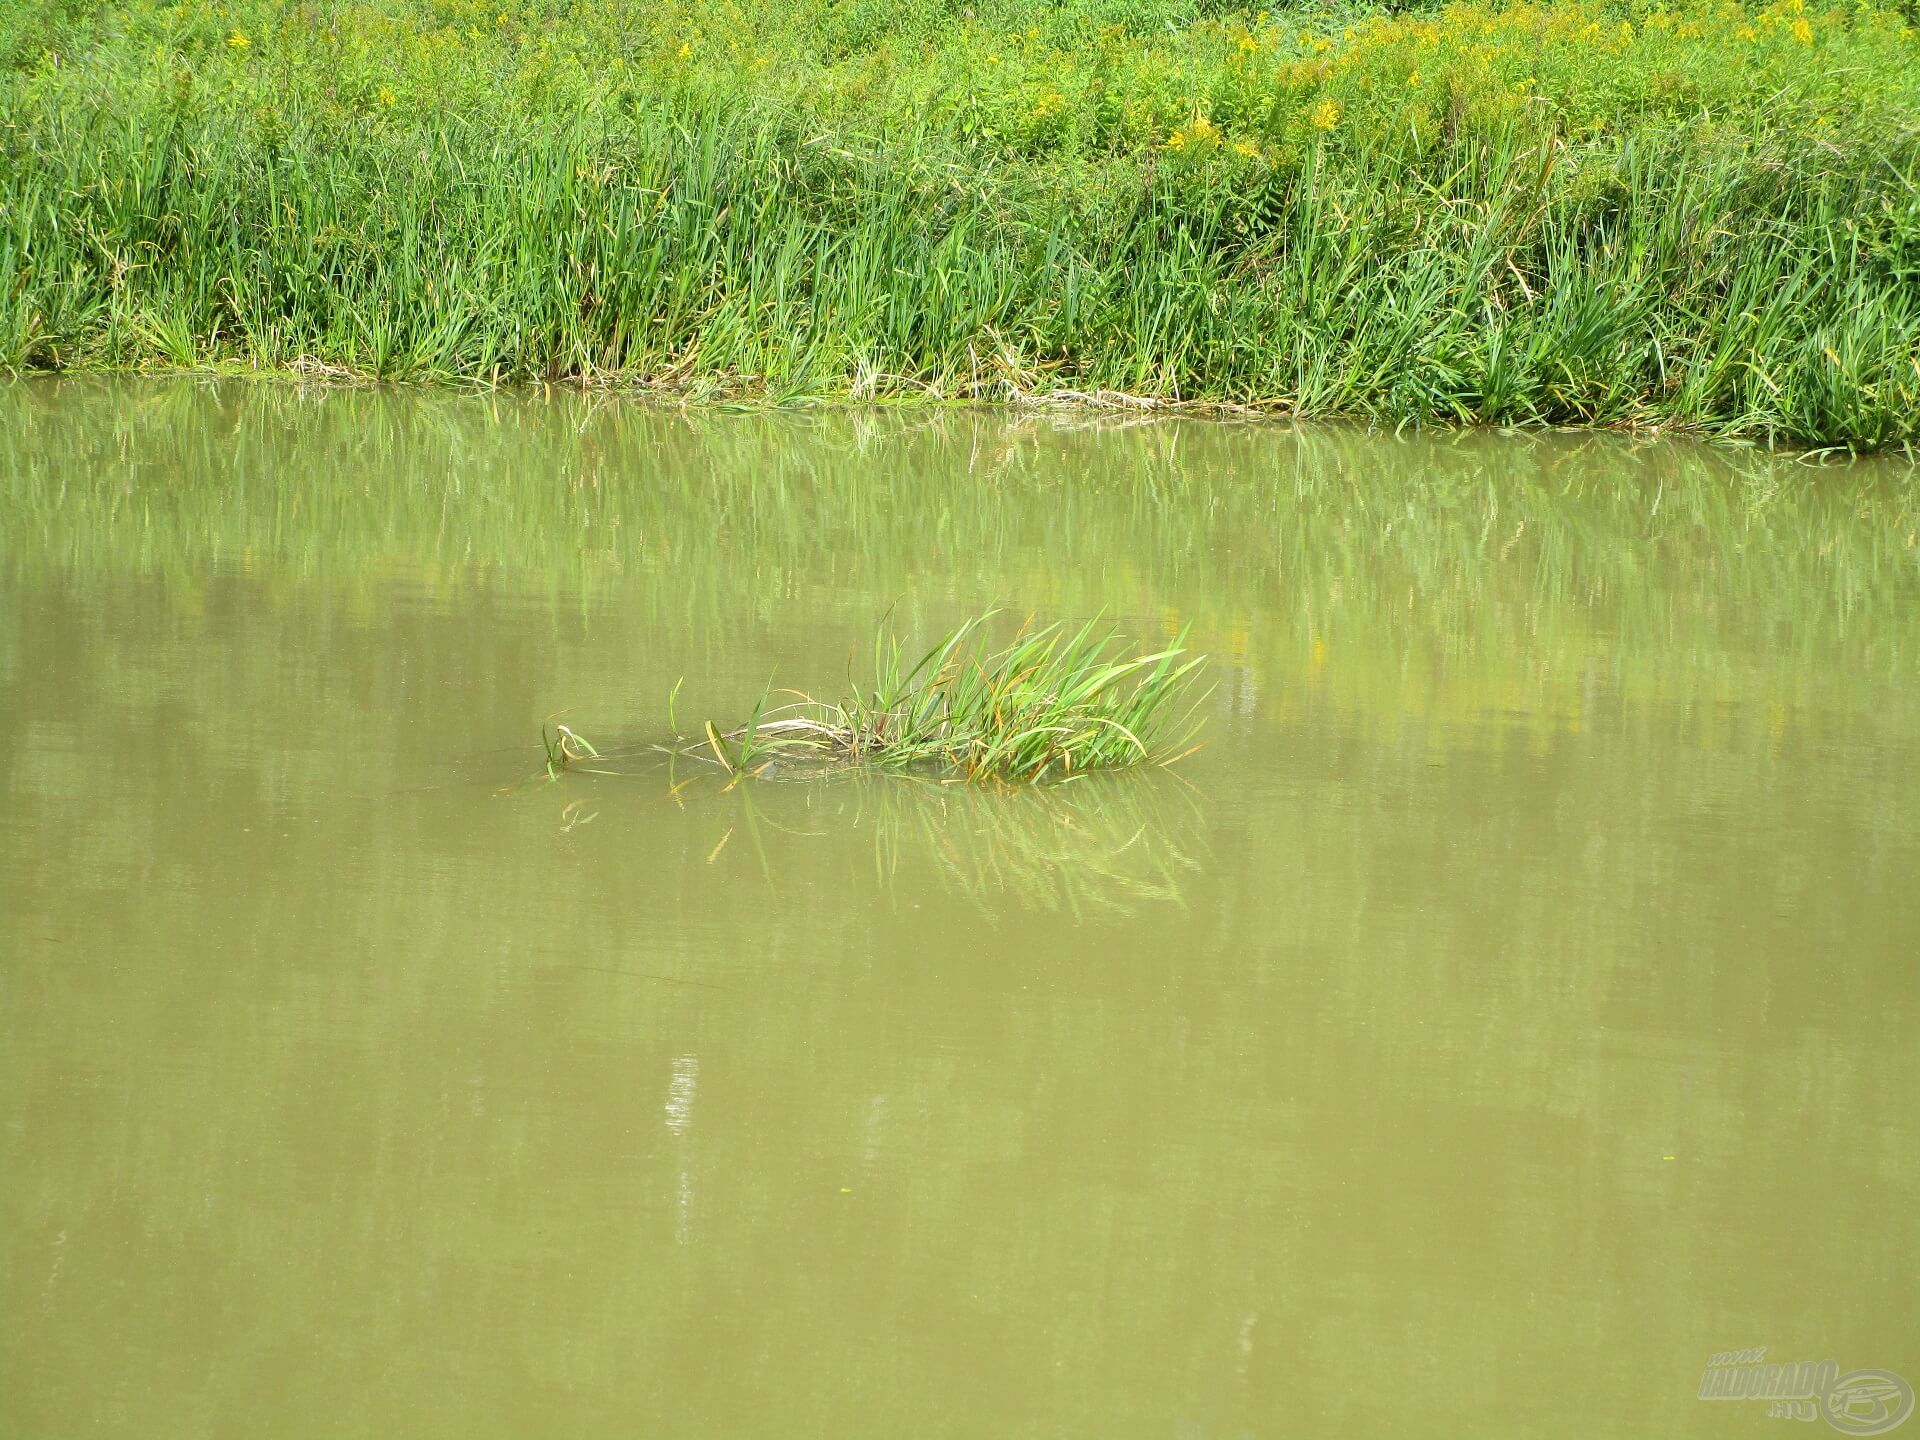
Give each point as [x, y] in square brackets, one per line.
[1513, 1005]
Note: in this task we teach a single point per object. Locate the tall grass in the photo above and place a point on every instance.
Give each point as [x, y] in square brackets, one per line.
[1525, 216]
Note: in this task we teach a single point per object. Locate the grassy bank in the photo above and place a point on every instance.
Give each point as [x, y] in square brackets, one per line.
[1704, 218]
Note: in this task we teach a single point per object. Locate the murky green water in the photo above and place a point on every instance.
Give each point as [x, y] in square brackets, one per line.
[1515, 1004]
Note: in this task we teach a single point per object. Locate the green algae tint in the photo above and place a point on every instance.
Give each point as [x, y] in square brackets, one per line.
[1511, 1009]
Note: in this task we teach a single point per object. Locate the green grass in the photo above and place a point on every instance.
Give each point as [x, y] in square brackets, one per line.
[1052, 704]
[1614, 215]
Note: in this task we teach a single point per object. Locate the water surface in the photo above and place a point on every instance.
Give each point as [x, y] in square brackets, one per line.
[1514, 1004]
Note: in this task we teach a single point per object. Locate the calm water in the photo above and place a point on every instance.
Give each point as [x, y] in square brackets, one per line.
[1515, 1003]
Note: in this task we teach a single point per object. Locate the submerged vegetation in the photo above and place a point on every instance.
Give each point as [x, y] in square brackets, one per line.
[1704, 215]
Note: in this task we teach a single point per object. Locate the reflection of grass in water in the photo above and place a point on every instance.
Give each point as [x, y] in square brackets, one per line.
[1100, 845]
[1111, 846]
[590, 491]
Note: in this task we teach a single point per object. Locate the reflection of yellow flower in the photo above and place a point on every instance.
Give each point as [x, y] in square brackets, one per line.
[1326, 115]
[238, 40]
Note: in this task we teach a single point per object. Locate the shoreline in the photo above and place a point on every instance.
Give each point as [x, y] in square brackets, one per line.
[695, 399]
[1699, 222]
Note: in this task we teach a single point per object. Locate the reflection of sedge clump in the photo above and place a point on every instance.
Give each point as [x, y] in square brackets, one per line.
[1053, 704]
[1077, 848]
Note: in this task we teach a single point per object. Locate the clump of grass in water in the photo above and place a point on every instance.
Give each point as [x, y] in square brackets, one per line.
[1053, 704]
[564, 747]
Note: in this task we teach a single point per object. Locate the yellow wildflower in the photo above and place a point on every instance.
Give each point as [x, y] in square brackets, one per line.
[1802, 31]
[685, 50]
[1247, 148]
[1747, 33]
[387, 97]
[1413, 80]
[1326, 115]
[1176, 141]
[1248, 44]
[238, 40]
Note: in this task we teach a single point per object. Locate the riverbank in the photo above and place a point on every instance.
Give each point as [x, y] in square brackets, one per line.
[1698, 219]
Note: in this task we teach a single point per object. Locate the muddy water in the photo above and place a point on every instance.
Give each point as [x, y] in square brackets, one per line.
[1513, 1006]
